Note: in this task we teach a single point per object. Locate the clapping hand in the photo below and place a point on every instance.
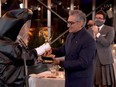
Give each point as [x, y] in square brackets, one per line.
[95, 29]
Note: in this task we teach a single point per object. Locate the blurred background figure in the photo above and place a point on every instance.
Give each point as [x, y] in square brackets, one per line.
[90, 23]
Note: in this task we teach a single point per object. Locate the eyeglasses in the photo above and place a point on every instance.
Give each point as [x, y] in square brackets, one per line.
[71, 22]
[99, 18]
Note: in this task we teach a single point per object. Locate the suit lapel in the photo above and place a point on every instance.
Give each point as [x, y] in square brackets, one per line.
[102, 29]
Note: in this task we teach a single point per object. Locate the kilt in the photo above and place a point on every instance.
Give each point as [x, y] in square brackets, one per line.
[104, 74]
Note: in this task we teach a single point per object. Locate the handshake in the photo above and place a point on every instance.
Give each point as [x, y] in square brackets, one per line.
[46, 51]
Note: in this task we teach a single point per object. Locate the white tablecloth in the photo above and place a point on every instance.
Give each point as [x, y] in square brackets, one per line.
[36, 81]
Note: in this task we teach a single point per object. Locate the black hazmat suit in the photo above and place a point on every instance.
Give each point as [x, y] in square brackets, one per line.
[12, 71]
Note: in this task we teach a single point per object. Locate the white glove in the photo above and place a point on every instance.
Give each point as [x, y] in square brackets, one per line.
[40, 50]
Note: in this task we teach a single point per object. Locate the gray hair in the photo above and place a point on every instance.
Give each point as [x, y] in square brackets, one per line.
[81, 16]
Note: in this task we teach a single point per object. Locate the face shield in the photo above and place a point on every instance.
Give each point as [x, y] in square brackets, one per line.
[24, 32]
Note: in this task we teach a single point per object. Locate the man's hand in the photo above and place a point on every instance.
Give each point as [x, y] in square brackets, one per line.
[55, 61]
[95, 29]
[47, 53]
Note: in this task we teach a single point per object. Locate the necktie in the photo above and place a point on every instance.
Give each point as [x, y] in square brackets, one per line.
[98, 29]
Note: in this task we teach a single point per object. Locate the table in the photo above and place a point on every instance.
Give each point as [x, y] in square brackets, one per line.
[35, 81]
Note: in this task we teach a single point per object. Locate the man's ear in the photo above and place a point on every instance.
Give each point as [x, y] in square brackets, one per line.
[81, 23]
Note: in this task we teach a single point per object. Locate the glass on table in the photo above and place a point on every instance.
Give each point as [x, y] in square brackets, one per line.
[53, 69]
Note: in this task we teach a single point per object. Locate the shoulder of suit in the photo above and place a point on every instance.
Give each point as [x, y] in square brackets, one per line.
[106, 26]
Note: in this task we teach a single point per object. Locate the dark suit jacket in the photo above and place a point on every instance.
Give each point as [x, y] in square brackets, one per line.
[104, 51]
[78, 64]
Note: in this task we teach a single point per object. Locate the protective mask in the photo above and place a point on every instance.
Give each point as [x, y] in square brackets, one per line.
[99, 23]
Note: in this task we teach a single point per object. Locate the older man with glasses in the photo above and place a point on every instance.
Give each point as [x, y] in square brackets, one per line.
[79, 51]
